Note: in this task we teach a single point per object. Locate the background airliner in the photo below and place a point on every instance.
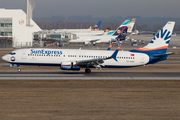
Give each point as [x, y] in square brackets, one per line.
[71, 59]
[106, 37]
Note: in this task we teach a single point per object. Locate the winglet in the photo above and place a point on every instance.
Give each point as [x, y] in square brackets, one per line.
[109, 48]
[115, 53]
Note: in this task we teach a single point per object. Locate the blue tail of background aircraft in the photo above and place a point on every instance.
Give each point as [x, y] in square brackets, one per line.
[123, 34]
[96, 27]
[118, 31]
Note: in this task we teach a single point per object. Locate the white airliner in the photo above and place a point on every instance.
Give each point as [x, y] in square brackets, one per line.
[71, 59]
[106, 37]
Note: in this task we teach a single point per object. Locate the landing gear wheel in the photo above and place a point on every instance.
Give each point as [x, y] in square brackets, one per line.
[19, 69]
[87, 70]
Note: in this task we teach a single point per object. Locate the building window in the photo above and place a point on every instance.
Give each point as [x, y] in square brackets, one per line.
[2, 24]
[6, 24]
[2, 33]
[10, 34]
[10, 25]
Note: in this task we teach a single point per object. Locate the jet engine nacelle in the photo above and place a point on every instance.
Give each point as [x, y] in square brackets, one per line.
[69, 66]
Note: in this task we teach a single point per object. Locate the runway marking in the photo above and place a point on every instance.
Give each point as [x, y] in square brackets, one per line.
[90, 78]
[44, 75]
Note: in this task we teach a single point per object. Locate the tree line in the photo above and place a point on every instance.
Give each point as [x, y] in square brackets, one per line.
[66, 24]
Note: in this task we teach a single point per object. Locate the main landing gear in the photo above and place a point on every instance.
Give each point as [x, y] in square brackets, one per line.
[87, 70]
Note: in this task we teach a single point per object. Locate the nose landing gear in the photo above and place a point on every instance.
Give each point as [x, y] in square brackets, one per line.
[19, 69]
[17, 65]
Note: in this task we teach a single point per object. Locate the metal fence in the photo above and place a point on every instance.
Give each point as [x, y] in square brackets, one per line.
[5, 43]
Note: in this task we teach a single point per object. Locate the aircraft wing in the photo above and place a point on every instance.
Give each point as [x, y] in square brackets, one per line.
[99, 34]
[98, 60]
[94, 40]
[92, 61]
[87, 41]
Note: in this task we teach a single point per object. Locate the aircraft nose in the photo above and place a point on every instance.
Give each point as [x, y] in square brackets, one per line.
[4, 57]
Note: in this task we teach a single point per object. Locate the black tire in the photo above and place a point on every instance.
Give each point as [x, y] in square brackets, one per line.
[88, 70]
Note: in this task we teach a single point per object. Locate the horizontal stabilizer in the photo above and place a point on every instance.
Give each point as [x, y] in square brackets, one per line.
[162, 55]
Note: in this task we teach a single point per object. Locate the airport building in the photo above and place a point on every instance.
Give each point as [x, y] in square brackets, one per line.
[14, 30]
[17, 27]
[53, 37]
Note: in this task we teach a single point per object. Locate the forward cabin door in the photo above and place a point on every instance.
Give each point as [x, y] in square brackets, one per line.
[23, 55]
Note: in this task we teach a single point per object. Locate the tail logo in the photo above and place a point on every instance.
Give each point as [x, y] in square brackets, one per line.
[163, 35]
[107, 30]
[119, 31]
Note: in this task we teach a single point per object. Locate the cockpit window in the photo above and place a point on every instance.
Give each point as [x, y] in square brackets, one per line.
[12, 53]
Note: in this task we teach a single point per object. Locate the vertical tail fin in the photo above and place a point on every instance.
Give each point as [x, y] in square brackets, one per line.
[123, 34]
[107, 29]
[131, 25]
[96, 27]
[121, 27]
[161, 40]
[125, 23]
[90, 27]
[118, 31]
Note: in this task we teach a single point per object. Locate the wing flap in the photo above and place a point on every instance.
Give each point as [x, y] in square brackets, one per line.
[99, 60]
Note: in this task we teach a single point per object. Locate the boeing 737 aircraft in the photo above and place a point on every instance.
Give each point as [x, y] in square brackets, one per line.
[71, 59]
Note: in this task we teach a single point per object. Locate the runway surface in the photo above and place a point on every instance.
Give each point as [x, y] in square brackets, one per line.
[91, 76]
